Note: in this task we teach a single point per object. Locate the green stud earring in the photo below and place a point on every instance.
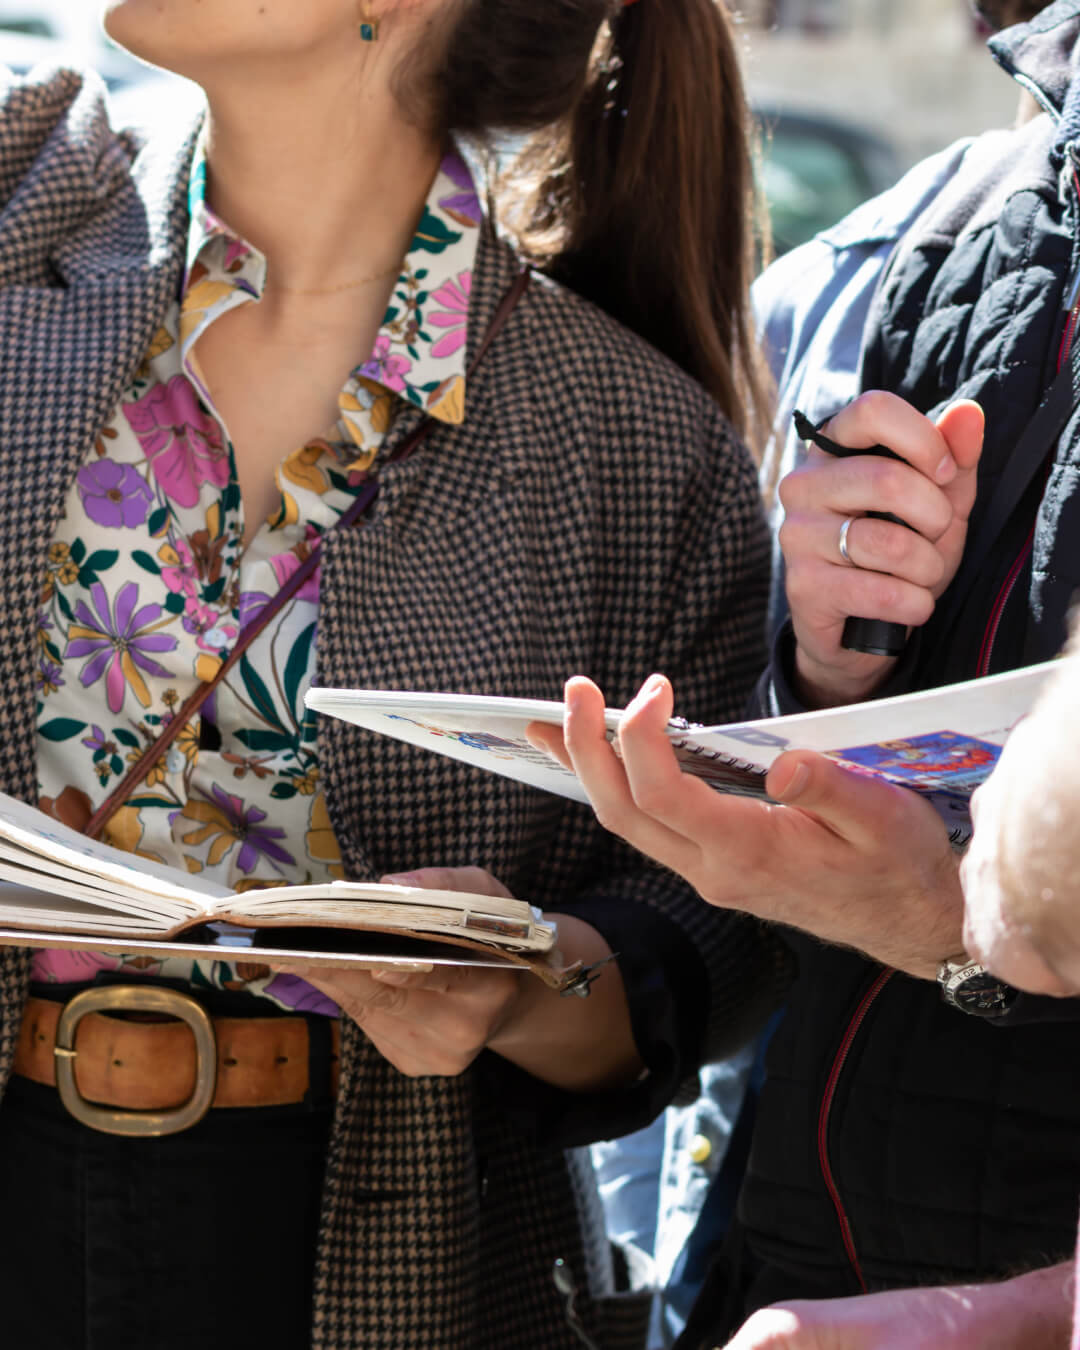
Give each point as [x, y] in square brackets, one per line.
[369, 30]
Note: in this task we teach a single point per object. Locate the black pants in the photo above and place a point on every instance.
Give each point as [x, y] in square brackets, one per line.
[202, 1239]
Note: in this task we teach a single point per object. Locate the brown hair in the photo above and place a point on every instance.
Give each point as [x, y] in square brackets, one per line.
[637, 154]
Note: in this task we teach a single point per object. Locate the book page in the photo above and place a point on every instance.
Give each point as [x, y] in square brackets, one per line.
[31, 834]
[941, 742]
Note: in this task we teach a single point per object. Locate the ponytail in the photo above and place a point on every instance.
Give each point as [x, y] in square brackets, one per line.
[639, 167]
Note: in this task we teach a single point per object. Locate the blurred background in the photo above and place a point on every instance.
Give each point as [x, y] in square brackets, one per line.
[850, 93]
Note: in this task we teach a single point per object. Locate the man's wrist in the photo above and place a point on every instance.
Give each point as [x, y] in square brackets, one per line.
[820, 684]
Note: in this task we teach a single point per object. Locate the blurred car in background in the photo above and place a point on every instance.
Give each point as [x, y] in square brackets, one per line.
[814, 170]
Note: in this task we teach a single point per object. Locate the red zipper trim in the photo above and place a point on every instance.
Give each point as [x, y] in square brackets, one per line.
[1009, 584]
[823, 1120]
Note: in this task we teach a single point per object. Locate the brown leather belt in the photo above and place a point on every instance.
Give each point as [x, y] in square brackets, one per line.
[158, 1077]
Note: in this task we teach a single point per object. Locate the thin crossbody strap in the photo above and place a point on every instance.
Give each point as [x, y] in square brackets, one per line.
[247, 635]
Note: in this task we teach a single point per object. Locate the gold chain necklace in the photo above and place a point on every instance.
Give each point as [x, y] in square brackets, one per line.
[348, 285]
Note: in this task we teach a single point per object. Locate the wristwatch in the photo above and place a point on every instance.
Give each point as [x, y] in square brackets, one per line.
[969, 986]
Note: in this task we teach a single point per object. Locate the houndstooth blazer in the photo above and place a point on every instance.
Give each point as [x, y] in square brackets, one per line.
[592, 514]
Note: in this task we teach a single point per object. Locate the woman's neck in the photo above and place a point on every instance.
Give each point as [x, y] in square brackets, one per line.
[325, 177]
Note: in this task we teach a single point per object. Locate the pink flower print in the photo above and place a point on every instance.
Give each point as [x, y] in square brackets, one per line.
[236, 254]
[182, 442]
[462, 206]
[113, 494]
[454, 297]
[212, 630]
[183, 578]
[118, 644]
[285, 564]
[384, 367]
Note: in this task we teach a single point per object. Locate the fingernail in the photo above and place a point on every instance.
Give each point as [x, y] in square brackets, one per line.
[946, 470]
[398, 879]
[794, 786]
[654, 685]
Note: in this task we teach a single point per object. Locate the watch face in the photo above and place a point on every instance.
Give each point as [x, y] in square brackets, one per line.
[982, 994]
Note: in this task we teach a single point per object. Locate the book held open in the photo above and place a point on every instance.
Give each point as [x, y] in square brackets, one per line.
[58, 888]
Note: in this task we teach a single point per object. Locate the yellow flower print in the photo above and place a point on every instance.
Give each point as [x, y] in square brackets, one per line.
[302, 468]
[58, 553]
[210, 820]
[155, 775]
[201, 298]
[159, 344]
[371, 398]
[125, 830]
[68, 573]
[187, 742]
[308, 783]
[447, 403]
[206, 666]
[322, 844]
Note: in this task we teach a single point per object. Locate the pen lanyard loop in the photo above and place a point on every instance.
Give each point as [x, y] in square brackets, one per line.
[363, 502]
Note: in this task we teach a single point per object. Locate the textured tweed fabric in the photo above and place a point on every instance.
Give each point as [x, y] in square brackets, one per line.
[592, 514]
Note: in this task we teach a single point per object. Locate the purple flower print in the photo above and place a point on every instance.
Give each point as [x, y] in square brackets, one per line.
[385, 368]
[463, 205]
[293, 992]
[183, 444]
[113, 494]
[245, 825]
[454, 297]
[249, 605]
[118, 644]
[96, 740]
[50, 676]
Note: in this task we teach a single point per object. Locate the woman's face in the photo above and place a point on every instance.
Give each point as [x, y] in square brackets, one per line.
[199, 37]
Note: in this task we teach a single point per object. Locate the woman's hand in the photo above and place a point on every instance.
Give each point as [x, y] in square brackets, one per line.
[895, 574]
[850, 859]
[437, 1022]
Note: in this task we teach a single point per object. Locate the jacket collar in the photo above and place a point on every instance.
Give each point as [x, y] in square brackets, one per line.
[1042, 55]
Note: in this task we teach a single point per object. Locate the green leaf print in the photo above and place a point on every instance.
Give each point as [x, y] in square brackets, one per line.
[283, 791]
[78, 552]
[259, 694]
[102, 559]
[61, 729]
[126, 737]
[273, 741]
[212, 593]
[146, 562]
[158, 520]
[432, 235]
[174, 602]
[297, 665]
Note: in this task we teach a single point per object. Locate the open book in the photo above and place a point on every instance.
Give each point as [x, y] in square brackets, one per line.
[941, 742]
[58, 888]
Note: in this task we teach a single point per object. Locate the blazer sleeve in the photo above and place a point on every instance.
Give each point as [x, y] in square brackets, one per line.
[700, 981]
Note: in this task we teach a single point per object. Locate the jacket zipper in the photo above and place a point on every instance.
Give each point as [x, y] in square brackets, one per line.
[823, 1120]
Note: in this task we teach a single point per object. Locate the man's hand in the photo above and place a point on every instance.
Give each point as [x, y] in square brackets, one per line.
[848, 858]
[896, 574]
[436, 1023]
[1032, 1312]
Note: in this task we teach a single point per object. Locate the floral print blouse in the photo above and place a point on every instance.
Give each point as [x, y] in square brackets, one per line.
[145, 589]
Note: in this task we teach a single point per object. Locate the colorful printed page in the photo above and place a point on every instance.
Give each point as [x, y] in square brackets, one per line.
[942, 742]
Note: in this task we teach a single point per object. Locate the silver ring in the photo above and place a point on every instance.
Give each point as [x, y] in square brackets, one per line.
[843, 541]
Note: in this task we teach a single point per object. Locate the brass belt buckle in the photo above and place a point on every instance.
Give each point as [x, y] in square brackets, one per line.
[129, 998]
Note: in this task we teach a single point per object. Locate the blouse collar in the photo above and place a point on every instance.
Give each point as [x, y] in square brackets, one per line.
[419, 352]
